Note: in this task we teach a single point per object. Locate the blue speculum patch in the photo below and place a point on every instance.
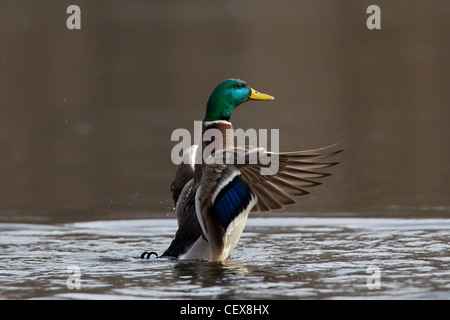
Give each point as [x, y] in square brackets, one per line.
[231, 201]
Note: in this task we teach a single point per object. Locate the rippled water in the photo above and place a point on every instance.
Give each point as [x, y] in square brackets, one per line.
[277, 258]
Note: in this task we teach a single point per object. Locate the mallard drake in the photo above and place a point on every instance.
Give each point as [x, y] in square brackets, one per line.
[213, 200]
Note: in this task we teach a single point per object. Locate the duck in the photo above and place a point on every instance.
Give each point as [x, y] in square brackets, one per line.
[213, 199]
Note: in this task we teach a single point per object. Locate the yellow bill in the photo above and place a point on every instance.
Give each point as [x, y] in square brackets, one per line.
[260, 96]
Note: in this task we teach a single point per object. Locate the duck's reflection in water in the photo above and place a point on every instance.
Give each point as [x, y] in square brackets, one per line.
[207, 273]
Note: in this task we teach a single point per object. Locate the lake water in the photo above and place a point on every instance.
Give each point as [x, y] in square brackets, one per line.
[277, 258]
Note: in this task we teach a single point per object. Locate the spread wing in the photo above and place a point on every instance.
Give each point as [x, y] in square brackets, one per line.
[276, 178]
[189, 230]
[185, 172]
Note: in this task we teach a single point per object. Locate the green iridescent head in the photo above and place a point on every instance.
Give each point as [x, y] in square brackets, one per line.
[227, 96]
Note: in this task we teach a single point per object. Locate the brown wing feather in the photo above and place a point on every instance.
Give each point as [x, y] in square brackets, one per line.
[296, 171]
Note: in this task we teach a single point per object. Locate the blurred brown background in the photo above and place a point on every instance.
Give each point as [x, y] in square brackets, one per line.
[86, 115]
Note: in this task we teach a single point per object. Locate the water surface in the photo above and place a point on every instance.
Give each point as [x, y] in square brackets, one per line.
[277, 258]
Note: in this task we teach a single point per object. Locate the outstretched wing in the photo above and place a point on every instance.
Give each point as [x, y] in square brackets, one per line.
[185, 172]
[276, 178]
[189, 230]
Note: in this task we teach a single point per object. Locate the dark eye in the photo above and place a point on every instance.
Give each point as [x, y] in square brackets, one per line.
[240, 85]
